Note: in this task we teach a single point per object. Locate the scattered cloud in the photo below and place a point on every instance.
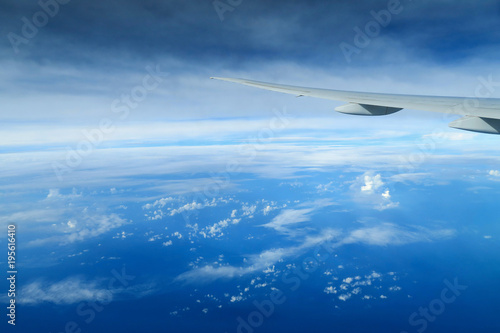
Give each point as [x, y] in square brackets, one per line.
[216, 230]
[256, 262]
[322, 188]
[55, 194]
[193, 206]
[160, 203]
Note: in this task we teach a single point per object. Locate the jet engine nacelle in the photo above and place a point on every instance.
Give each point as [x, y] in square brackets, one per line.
[477, 124]
[366, 110]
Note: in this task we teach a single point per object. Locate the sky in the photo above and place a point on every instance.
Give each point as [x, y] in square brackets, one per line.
[112, 133]
[124, 74]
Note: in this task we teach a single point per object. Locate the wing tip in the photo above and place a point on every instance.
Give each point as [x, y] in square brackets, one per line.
[220, 78]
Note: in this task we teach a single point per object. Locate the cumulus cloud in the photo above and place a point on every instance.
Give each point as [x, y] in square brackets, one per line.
[160, 203]
[217, 229]
[158, 211]
[494, 173]
[192, 206]
[371, 183]
[369, 189]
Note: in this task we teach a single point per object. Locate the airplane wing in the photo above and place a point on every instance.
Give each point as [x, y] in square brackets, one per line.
[479, 114]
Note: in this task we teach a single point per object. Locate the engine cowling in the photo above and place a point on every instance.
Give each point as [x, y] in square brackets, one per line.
[366, 110]
[477, 124]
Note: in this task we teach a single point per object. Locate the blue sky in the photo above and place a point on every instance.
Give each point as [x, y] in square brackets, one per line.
[117, 149]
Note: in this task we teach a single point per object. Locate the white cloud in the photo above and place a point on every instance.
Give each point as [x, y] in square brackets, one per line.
[160, 203]
[348, 280]
[122, 235]
[387, 205]
[330, 290]
[369, 189]
[383, 235]
[187, 207]
[157, 211]
[249, 210]
[274, 159]
[256, 262]
[390, 234]
[217, 230]
[55, 194]
[69, 291]
[269, 270]
[325, 187]
[268, 209]
[237, 298]
[451, 136]
[287, 218]
[494, 173]
[90, 226]
[372, 183]
[416, 177]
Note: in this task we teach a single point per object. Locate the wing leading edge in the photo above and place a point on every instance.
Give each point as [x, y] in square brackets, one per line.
[480, 114]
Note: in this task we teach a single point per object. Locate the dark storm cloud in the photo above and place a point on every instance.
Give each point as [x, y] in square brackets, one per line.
[116, 33]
